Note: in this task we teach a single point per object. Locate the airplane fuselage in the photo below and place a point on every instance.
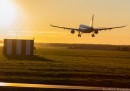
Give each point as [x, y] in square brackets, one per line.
[85, 28]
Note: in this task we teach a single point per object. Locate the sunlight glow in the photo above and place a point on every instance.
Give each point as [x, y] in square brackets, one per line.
[3, 84]
[8, 13]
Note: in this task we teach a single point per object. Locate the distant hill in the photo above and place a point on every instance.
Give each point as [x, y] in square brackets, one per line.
[86, 46]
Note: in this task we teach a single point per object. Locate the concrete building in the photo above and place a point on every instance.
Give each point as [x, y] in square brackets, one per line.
[18, 47]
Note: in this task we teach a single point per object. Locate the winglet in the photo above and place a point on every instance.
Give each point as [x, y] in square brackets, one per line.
[51, 25]
[124, 25]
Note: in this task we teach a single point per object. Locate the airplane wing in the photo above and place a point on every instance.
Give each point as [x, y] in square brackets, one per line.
[65, 27]
[109, 28]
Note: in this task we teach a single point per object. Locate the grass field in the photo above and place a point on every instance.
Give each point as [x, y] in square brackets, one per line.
[60, 65]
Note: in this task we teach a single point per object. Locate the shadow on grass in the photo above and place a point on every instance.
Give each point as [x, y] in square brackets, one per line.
[34, 58]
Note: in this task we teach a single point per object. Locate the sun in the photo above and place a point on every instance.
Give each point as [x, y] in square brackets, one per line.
[8, 13]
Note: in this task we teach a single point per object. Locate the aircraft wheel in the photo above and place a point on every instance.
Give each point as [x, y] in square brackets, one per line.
[79, 35]
[93, 35]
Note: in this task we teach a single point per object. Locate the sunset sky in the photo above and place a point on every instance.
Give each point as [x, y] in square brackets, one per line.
[32, 18]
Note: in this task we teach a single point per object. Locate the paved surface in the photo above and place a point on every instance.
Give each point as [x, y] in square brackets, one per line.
[4, 84]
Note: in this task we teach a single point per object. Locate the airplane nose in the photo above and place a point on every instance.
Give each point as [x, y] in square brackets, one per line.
[91, 28]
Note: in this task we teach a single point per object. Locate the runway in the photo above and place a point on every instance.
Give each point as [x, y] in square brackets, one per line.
[46, 86]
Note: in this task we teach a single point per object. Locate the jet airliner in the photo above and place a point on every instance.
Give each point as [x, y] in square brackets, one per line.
[87, 29]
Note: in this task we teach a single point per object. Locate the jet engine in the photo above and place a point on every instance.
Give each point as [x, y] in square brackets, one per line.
[72, 31]
[96, 32]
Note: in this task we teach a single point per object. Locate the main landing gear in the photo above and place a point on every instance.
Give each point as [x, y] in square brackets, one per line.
[79, 35]
[93, 35]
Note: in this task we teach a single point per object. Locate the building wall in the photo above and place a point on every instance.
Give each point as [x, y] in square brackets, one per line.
[18, 47]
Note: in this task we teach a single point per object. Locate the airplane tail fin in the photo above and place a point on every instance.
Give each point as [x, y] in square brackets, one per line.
[91, 24]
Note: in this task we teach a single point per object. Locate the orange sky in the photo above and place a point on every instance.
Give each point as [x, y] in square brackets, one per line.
[33, 17]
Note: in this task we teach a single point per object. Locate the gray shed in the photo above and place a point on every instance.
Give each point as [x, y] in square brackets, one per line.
[18, 47]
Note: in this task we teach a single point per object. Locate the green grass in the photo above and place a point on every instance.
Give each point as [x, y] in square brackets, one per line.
[59, 65]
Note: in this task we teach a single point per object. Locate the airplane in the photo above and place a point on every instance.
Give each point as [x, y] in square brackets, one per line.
[87, 29]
